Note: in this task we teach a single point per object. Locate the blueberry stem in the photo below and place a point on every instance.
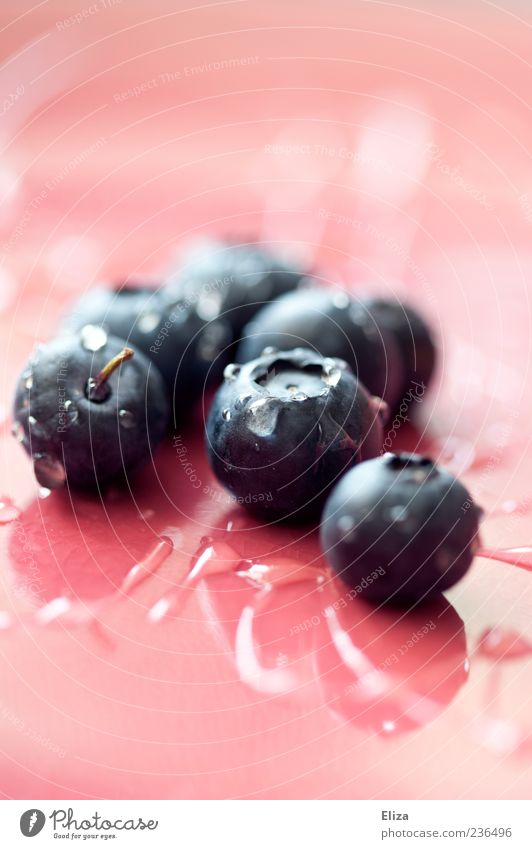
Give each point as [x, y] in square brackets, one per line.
[97, 388]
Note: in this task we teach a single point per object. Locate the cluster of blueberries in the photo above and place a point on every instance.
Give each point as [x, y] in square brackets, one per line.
[309, 375]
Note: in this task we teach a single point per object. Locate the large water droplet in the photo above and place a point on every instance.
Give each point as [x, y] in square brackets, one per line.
[331, 373]
[8, 511]
[263, 418]
[17, 430]
[127, 419]
[72, 412]
[209, 305]
[226, 415]
[49, 471]
[148, 321]
[93, 337]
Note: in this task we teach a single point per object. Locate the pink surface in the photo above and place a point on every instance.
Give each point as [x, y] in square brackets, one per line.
[391, 146]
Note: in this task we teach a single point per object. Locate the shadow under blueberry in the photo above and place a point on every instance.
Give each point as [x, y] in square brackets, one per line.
[82, 545]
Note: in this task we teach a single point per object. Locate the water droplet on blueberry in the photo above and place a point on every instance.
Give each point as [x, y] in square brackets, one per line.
[226, 414]
[17, 431]
[127, 419]
[148, 321]
[231, 371]
[49, 471]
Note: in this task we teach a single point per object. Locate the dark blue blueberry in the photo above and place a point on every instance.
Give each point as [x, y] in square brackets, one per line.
[88, 411]
[415, 342]
[334, 324]
[188, 350]
[283, 427]
[400, 529]
[231, 280]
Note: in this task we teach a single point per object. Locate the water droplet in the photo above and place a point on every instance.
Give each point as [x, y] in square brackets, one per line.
[442, 560]
[268, 351]
[93, 338]
[32, 421]
[503, 644]
[148, 321]
[346, 524]
[44, 492]
[241, 401]
[226, 415]
[520, 557]
[17, 430]
[49, 471]
[212, 340]
[263, 417]
[399, 513]
[232, 371]
[127, 419]
[28, 383]
[53, 610]
[209, 305]
[298, 396]
[8, 511]
[331, 373]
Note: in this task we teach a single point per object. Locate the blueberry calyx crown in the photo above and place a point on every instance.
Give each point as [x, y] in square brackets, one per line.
[404, 460]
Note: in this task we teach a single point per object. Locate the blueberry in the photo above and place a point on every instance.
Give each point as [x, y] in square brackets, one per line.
[168, 330]
[284, 426]
[399, 529]
[231, 280]
[87, 410]
[415, 341]
[334, 324]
